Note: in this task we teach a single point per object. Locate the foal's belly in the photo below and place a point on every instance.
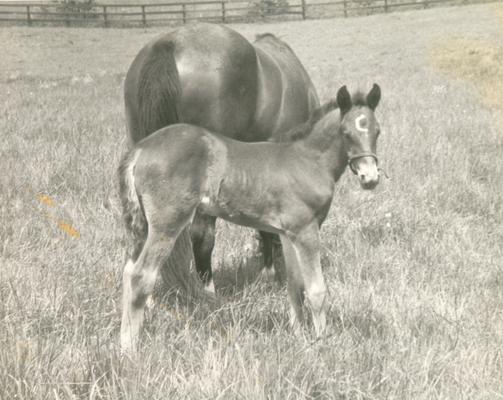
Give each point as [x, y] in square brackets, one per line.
[258, 215]
[279, 216]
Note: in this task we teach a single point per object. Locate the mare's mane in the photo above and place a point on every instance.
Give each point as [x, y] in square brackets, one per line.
[272, 39]
[260, 36]
[301, 131]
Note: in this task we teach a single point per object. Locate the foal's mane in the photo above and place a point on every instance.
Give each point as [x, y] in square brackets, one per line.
[301, 131]
[359, 99]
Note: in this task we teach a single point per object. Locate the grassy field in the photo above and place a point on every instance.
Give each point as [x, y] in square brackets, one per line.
[415, 268]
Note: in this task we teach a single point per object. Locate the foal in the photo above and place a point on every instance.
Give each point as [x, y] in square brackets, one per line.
[283, 187]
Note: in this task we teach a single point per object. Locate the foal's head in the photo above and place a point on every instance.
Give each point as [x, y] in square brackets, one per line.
[360, 130]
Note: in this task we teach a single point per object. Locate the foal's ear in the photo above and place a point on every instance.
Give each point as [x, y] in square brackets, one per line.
[374, 96]
[344, 100]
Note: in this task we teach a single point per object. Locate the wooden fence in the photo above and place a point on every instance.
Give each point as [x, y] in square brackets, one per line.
[84, 14]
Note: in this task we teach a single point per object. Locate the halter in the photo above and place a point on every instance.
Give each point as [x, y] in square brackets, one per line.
[361, 155]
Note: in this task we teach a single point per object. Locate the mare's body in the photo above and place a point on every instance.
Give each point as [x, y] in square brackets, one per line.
[211, 76]
[284, 188]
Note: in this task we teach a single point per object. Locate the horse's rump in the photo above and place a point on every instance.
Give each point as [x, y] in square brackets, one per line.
[177, 272]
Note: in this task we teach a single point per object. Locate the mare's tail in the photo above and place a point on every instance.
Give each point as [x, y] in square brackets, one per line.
[152, 90]
[132, 210]
[179, 275]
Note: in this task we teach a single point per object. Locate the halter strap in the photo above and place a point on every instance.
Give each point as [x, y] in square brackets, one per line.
[361, 155]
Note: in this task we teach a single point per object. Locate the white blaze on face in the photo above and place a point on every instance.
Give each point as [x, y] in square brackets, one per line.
[361, 123]
[205, 200]
[366, 166]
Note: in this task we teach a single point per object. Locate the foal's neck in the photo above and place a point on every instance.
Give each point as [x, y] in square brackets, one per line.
[326, 139]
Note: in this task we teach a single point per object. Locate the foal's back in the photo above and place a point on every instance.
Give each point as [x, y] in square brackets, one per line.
[188, 153]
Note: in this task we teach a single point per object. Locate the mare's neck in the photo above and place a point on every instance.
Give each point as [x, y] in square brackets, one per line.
[326, 139]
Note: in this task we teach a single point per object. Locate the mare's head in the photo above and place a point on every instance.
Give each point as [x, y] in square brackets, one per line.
[360, 130]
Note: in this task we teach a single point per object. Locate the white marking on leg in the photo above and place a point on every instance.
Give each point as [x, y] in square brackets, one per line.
[361, 119]
[268, 274]
[150, 303]
[317, 301]
[127, 336]
[210, 286]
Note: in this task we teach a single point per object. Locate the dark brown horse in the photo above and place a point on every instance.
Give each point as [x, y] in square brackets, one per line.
[211, 76]
[283, 187]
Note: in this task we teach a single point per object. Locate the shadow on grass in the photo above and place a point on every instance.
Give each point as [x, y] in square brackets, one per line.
[246, 300]
[362, 324]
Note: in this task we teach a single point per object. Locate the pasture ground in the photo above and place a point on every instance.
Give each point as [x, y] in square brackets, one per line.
[415, 268]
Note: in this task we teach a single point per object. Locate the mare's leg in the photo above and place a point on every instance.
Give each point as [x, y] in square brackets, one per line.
[271, 250]
[138, 283]
[202, 232]
[266, 240]
[305, 273]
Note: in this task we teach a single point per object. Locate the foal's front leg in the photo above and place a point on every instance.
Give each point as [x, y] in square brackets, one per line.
[305, 278]
[295, 284]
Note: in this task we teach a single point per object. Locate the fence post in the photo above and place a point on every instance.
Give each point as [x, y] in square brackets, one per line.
[385, 6]
[303, 9]
[105, 16]
[184, 13]
[143, 16]
[345, 9]
[223, 11]
[28, 15]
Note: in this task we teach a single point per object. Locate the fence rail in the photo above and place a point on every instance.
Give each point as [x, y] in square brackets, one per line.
[213, 10]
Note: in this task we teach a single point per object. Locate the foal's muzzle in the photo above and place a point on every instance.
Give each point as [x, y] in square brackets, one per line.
[364, 165]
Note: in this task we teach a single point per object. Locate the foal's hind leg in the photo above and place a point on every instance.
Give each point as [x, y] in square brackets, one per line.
[305, 278]
[202, 232]
[138, 283]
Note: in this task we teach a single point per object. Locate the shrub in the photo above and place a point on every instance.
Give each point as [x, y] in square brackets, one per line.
[79, 9]
[268, 7]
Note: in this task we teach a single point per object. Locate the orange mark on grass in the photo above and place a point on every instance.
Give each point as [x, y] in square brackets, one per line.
[67, 228]
[64, 226]
[44, 199]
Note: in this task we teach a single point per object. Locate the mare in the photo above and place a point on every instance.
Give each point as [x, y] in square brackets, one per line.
[283, 187]
[211, 76]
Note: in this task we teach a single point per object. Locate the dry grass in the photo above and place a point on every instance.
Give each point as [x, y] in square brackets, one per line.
[475, 60]
[478, 62]
[414, 268]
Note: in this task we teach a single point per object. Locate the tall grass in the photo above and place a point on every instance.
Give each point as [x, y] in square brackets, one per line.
[414, 268]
